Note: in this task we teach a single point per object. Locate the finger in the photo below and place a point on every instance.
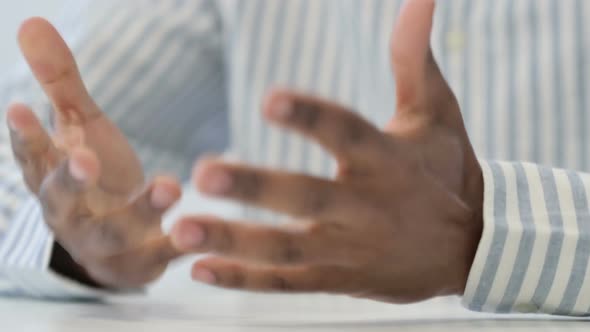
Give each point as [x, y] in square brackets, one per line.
[237, 275]
[55, 68]
[411, 55]
[349, 137]
[31, 145]
[294, 194]
[155, 200]
[62, 193]
[257, 243]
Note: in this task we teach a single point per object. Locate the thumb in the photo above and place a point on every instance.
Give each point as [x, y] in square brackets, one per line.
[411, 56]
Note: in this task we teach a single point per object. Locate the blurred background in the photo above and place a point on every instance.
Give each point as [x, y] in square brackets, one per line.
[12, 13]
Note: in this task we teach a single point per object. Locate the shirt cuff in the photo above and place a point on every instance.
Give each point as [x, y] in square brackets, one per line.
[534, 251]
[25, 253]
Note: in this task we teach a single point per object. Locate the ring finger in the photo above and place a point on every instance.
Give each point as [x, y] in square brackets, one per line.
[236, 275]
[306, 244]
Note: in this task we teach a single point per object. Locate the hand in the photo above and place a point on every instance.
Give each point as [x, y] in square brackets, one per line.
[400, 222]
[87, 177]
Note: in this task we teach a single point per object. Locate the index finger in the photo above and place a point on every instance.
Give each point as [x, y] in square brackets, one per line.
[347, 136]
[54, 67]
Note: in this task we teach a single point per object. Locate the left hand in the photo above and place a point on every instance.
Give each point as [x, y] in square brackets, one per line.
[400, 222]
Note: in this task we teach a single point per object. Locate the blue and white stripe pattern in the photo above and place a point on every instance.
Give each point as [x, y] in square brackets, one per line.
[175, 73]
[533, 255]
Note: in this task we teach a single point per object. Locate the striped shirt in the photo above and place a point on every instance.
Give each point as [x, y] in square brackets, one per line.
[185, 76]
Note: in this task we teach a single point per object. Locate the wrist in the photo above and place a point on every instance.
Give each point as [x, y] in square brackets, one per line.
[473, 229]
[62, 263]
[467, 225]
[465, 244]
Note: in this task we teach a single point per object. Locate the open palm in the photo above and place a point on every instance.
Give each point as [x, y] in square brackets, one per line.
[87, 177]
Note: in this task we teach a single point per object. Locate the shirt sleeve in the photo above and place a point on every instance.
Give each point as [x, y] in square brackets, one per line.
[140, 60]
[534, 252]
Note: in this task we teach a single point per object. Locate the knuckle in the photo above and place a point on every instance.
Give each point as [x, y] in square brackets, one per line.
[235, 278]
[354, 172]
[315, 201]
[306, 115]
[58, 75]
[354, 131]
[281, 284]
[289, 252]
[225, 240]
[249, 185]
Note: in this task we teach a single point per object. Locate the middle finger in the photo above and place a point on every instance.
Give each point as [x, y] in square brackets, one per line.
[295, 194]
[258, 243]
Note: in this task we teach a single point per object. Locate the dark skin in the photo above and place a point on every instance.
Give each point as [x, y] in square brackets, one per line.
[400, 222]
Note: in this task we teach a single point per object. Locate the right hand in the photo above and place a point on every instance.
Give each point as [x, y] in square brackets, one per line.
[87, 177]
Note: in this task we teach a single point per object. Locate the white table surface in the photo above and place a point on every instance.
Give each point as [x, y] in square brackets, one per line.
[177, 304]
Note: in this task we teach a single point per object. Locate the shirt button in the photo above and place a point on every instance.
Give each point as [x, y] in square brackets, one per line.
[455, 41]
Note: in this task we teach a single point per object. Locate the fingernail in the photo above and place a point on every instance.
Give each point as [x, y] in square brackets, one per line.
[281, 110]
[76, 171]
[192, 236]
[204, 276]
[217, 182]
[162, 198]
